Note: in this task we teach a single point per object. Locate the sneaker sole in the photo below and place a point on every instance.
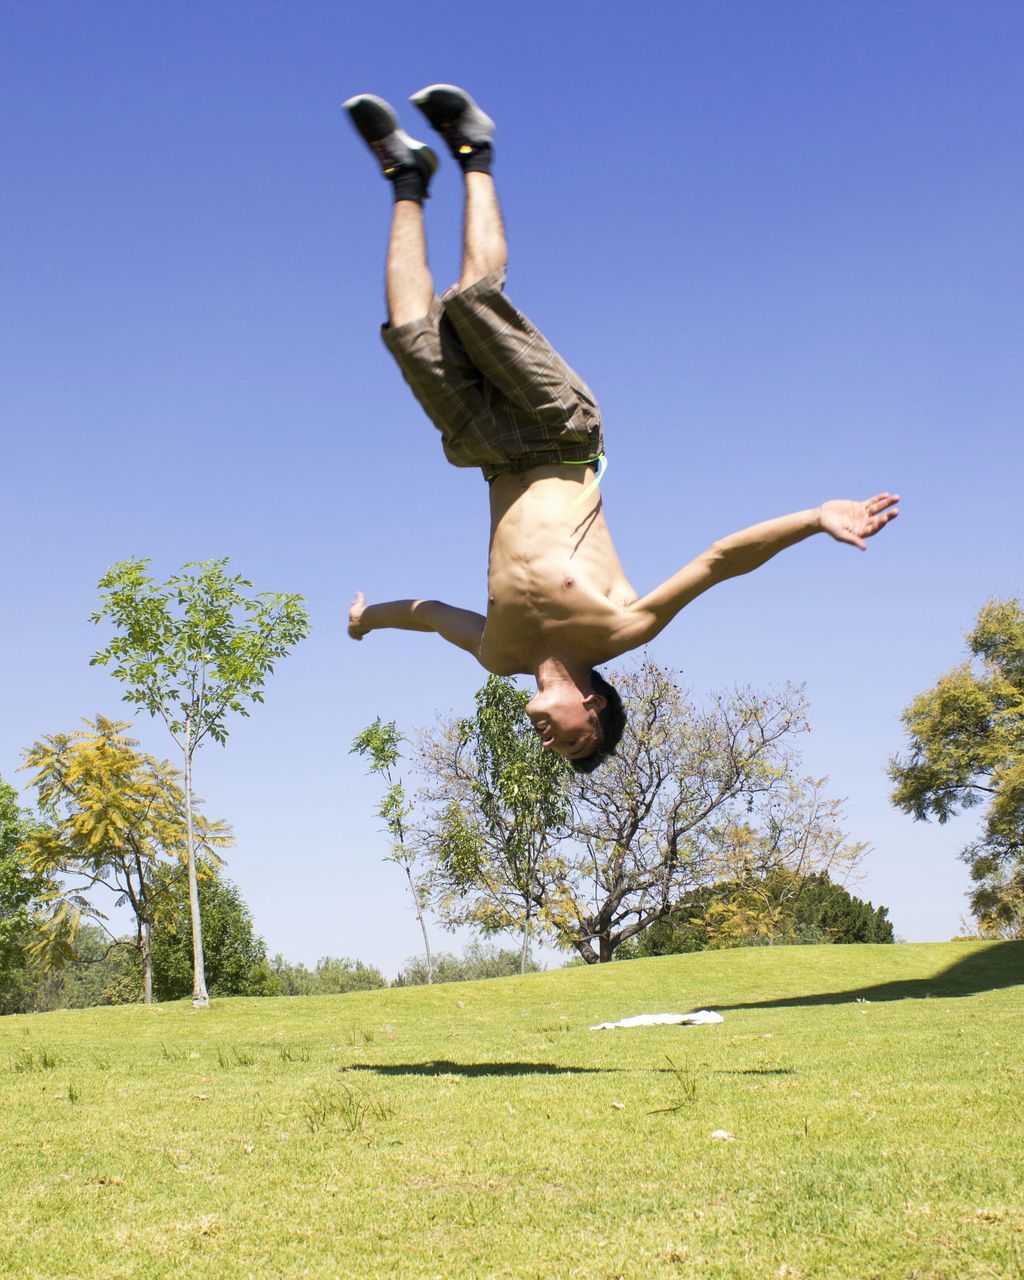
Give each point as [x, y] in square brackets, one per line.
[376, 120]
[372, 116]
[442, 103]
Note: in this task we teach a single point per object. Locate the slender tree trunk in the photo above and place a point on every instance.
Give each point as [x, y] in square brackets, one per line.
[200, 996]
[423, 923]
[147, 962]
[524, 954]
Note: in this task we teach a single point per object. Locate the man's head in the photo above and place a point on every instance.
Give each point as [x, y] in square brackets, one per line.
[584, 725]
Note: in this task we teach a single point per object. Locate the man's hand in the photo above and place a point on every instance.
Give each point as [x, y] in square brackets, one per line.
[355, 617]
[852, 522]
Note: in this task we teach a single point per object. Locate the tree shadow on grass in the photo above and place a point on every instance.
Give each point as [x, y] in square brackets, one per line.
[759, 1071]
[442, 1067]
[998, 966]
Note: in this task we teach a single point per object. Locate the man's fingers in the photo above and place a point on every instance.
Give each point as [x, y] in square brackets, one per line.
[880, 521]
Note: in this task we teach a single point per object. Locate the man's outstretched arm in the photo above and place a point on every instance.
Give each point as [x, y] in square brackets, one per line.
[844, 520]
[460, 627]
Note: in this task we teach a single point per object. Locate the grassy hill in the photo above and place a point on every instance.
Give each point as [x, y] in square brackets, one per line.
[480, 1129]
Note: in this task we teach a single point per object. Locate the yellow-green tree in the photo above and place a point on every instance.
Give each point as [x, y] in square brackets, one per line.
[114, 816]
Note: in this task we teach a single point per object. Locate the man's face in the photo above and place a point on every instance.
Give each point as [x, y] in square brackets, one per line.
[566, 720]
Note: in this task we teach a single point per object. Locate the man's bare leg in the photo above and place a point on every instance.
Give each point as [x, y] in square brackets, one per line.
[484, 248]
[408, 282]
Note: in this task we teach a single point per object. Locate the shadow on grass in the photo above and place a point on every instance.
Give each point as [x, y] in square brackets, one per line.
[442, 1067]
[1000, 965]
[759, 1071]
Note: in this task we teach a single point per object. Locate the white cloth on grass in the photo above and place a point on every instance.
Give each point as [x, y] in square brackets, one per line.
[663, 1020]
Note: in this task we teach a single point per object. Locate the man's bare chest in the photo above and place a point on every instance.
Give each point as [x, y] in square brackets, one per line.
[529, 620]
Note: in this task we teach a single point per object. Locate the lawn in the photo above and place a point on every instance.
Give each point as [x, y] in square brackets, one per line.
[874, 1095]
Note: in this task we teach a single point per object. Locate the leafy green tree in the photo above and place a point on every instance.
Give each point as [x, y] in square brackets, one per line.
[191, 652]
[479, 961]
[235, 956]
[498, 808]
[78, 984]
[837, 915]
[332, 975]
[805, 909]
[966, 749]
[22, 893]
[380, 744]
[114, 816]
[799, 833]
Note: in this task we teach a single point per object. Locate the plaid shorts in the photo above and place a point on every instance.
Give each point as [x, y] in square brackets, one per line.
[501, 396]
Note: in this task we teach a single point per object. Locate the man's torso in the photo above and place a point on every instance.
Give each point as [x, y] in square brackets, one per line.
[555, 583]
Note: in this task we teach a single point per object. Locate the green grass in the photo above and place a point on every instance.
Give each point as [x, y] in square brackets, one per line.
[875, 1095]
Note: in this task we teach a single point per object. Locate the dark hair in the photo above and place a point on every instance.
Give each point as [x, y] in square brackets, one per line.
[612, 721]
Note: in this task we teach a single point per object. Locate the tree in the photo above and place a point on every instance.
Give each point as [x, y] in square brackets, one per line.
[115, 815]
[967, 749]
[633, 836]
[22, 891]
[770, 865]
[332, 975]
[655, 820]
[838, 916]
[380, 744]
[235, 957]
[79, 984]
[499, 806]
[814, 910]
[480, 961]
[190, 652]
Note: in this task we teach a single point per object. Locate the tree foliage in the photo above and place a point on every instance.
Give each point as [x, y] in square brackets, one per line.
[966, 749]
[114, 816]
[235, 956]
[497, 806]
[381, 745]
[196, 648]
[330, 976]
[479, 961]
[691, 796]
[23, 889]
[781, 907]
[190, 652]
[85, 981]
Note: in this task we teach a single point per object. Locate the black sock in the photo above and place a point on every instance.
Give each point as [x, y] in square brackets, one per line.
[479, 160]
[409, 183]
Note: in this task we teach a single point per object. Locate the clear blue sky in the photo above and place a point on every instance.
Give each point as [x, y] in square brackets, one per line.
[781, 241]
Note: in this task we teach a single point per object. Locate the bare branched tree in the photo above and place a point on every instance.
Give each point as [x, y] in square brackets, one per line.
[515, 839]
[648, 825]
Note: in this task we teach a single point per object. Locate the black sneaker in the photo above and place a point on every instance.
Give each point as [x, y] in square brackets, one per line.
[379, 127]
[457, 118]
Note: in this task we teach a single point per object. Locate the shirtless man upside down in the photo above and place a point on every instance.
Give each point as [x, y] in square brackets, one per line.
[558, 603]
